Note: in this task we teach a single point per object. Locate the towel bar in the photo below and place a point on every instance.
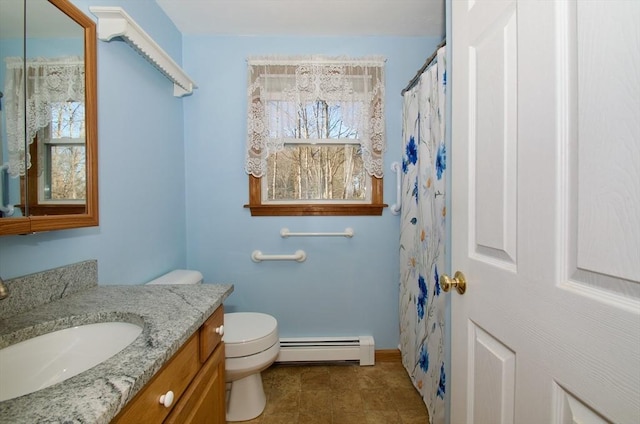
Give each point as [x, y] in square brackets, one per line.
[395, 208]
[8, 210]
[258, 256]
[348, 232]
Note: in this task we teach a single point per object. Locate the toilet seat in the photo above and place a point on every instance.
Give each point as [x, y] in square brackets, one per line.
[249, 333]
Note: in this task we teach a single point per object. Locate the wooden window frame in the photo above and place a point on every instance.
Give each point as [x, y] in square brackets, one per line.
[31, 192]
[315, 209]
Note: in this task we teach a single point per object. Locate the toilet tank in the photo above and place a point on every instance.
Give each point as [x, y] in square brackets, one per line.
[179, 276]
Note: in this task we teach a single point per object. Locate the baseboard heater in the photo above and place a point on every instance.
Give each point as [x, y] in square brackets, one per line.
[327, 349]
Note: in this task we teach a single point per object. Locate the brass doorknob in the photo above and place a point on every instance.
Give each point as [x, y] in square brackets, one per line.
[458, 281]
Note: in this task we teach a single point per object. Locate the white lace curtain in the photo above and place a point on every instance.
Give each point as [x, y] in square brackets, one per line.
[280, 90]
[48, 80]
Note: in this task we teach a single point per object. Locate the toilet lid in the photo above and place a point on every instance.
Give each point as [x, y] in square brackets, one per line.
[248, 333]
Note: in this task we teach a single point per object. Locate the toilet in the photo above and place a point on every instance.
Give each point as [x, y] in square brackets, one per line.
[251, 346]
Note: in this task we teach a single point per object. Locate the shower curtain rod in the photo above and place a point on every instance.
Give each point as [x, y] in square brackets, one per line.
[430, 59]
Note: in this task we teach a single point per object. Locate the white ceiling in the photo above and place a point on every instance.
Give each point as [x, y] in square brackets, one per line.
[307, 17]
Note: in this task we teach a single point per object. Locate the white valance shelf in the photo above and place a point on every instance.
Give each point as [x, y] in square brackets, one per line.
[115, 22]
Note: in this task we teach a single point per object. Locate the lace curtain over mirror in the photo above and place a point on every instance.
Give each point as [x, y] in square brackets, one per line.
[281, 92]
[48, 81]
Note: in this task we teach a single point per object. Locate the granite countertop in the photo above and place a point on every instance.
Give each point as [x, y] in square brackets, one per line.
[169, 316]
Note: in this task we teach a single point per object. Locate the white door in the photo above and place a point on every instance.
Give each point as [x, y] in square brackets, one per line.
[546, 211]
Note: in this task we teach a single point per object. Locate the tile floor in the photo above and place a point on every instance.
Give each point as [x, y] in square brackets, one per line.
[340, 394]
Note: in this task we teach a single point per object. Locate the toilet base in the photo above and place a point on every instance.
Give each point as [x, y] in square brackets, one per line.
[246, 399]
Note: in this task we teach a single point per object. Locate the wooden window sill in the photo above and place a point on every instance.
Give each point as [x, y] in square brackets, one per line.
[316, 210]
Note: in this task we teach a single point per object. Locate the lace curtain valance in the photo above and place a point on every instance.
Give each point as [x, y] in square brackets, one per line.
[47, 81]
[280, 91]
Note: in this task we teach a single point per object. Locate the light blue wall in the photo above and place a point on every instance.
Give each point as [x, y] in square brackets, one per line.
[346, 286]
[141, 169]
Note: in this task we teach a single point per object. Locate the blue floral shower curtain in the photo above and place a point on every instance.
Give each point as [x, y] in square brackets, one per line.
[422, 237]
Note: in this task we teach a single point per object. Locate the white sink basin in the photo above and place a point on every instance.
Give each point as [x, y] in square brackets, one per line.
[48, 359]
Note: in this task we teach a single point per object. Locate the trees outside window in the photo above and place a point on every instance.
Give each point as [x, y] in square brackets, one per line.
[56, 180]
[64, 173]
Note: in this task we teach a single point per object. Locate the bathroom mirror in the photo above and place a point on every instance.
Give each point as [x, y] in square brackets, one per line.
[48, 118]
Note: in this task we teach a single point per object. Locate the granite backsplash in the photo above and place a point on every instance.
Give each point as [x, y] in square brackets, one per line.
[34, 290]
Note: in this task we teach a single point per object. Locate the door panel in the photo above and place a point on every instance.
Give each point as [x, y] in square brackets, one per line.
[545, 207]
[609, 179]
[492, 133]
[493, 373]
[569, 410]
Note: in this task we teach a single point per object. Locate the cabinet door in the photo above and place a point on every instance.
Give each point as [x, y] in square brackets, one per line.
[211, 333]
[175, 376]
[204, 400]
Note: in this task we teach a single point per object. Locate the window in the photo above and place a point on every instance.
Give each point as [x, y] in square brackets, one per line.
[63, 177]
[57, 177]
[315, 137]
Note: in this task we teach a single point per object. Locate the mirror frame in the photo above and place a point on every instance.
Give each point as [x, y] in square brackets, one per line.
[32, 224]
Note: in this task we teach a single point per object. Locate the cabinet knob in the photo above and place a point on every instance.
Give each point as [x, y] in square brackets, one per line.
[167, 399]
[220, 330]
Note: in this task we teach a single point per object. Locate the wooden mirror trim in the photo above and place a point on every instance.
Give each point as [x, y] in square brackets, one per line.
[32, 224]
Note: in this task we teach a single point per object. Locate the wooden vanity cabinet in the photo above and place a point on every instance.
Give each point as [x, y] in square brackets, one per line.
[205, 397]
[195, 374]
